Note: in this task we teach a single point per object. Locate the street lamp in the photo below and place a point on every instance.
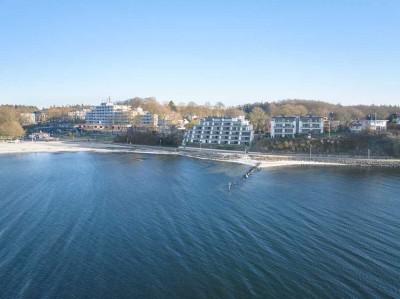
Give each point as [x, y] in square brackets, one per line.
[329, 124]
[329, 121]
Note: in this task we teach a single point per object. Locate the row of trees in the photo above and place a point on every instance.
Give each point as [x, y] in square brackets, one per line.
[256, 114]
[153, 106]
[259, 113]
[57, 113]
[337, 111]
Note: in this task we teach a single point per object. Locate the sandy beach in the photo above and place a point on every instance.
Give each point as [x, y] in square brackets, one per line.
[99, 147]
[261, 160]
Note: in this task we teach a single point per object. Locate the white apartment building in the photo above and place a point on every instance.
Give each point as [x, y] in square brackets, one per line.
[359, 126]
[311, 124]
[148, 120]
[284, 126]
[287, 126]
[374, 124]
[78, 114]
[221, 130]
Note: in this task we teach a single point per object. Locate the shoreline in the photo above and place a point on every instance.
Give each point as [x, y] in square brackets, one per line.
[251, 159]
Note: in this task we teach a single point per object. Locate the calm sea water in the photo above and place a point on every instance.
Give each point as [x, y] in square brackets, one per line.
[85, 225]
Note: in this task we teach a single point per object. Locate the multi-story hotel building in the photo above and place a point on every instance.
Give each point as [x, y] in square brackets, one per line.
[108, 117]
[221, 130]
[108, 113]
[288, 126]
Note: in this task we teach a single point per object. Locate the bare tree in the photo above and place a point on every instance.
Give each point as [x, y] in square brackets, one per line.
[233, 112]
[257, 119]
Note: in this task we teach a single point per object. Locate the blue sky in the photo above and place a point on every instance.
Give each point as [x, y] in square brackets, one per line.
[73, 52]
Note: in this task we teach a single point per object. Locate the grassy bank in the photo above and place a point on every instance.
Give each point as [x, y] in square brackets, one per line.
[359, 145]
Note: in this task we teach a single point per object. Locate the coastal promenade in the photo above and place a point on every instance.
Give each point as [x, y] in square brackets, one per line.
[264, 160]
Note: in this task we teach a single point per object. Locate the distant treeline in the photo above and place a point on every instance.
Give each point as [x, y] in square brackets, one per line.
[270, 109]
[259, 113]
[20, 108]
[335, 111]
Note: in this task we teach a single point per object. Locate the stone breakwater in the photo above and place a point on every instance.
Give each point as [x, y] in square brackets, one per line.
[333, 160]
[215, 156]
[255, 159]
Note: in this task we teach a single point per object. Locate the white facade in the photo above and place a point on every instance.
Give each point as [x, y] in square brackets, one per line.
[109, 113]
[310, 124]
[374, 125]
[149, 120]
[283, 126]
[288, 126]
[221, 130]
[39, 136]
[109, 117]
[78, 114]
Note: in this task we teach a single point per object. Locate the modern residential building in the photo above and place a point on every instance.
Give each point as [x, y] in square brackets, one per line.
[221, 130]
[358, 126]
[288, 126]
[374, 124]
[148, 120]
[311, 124]
[284, 126]
[78, 114]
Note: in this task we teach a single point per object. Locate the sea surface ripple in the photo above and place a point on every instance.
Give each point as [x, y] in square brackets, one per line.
[86, 225]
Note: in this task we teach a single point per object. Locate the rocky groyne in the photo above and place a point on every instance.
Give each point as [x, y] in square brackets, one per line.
[362, 162]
